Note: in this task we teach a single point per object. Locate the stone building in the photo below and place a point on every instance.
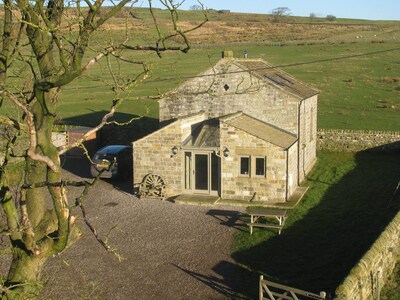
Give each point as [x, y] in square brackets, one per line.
[243, 129]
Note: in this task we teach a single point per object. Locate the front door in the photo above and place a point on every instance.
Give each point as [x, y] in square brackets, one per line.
[202, 172]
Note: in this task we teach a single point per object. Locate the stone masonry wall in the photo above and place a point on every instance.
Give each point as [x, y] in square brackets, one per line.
[153, 154]
[224, 94]
[292, 169]
[308, 136]
[271, 188]
[368, 276]
[358, 140]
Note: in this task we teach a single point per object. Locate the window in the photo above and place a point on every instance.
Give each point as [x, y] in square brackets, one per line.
[260, 166]
[245, 165]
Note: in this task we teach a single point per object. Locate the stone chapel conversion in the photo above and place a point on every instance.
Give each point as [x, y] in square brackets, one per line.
[241, 130]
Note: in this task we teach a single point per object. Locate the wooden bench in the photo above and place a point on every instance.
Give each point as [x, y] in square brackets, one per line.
[257, 213]
[251, 225]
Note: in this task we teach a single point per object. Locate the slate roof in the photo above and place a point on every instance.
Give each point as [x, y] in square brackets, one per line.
[260, 129]
[206, 135]
[277, 76]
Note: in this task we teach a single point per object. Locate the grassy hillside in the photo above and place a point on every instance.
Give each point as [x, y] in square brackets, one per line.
[357, 93]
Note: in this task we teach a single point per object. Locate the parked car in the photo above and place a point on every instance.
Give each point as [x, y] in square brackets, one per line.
[114, 161]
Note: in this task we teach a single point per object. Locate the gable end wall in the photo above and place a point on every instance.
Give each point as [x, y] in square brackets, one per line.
[225, 94]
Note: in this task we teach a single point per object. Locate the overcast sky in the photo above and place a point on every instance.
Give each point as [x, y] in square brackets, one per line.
[358, 9]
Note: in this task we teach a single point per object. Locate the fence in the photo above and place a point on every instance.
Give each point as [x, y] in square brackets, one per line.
[269, 290]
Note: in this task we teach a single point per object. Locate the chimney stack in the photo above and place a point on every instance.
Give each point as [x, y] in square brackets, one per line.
[227, 54]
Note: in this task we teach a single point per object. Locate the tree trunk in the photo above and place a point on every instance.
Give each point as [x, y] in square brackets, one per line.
[45, 233]
[23, 280]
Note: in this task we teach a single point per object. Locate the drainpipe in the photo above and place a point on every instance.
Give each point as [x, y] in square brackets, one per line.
[287, 175]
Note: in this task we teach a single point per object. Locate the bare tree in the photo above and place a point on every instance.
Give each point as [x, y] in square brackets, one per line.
[331, 18]
[195, 7]
[279, 13]
[51, 40]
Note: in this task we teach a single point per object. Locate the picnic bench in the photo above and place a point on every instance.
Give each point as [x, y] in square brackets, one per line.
[259, 213]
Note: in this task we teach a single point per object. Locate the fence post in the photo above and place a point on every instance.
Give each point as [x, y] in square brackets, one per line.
[261, 294]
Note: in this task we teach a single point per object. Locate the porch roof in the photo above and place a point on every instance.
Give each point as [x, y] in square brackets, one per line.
[206, 135]
[262, 130]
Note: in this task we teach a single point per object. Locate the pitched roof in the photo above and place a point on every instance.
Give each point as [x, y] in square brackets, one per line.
[277, 76]
[206, 135]
[260, 129]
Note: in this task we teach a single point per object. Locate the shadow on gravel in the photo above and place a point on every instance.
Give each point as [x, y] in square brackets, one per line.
[230, 218]
[233, 279]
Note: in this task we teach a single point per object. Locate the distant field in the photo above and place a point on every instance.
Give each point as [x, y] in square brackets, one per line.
[356, 93]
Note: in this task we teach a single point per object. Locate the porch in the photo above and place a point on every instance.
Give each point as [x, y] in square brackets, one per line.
[198, 199]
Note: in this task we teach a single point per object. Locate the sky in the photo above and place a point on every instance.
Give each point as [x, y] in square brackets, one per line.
[354, 9]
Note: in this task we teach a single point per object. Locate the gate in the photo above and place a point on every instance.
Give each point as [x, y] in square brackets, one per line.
[273, 291]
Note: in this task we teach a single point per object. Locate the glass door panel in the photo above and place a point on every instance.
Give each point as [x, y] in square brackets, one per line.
[201, 172]
[214, 172]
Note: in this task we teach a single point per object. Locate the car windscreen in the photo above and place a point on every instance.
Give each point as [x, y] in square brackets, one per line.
[104, 156]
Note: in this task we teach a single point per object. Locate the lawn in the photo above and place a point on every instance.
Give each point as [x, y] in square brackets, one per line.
[345, 210]
[355, 93]
[361, 92]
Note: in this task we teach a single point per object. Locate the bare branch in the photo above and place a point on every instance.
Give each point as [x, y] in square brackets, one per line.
[79, 203]
[63, 149]
[32, 134]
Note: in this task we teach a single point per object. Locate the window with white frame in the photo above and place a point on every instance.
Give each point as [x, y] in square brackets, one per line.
[252, 166]
[259, 169]
[245, 166]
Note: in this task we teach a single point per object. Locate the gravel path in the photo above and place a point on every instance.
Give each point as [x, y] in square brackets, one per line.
[170, 251]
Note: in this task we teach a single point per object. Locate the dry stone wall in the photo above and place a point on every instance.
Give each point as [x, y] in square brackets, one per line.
[358, 140]
[369, 275]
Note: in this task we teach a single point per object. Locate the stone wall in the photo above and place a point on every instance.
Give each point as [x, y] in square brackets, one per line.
[271, 187]
[235, 91]
[307, 136]
[292, 169]
[153, 154]
[368, 276]
[358, 140]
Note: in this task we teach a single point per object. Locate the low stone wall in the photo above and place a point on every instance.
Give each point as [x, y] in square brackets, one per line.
[371, 272]
[357, 140]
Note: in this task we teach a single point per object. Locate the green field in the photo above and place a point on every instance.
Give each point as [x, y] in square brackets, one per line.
[359, 92]
[346, 208]
[355, 93]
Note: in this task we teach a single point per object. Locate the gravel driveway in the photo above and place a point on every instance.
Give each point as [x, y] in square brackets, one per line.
[170, 251]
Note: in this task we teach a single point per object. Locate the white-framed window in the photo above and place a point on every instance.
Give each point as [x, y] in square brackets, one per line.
[259, 166]
[252, 166]
[245, 166]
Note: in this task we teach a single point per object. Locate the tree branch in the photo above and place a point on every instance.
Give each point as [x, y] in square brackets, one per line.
[63, 149]
[31, 152]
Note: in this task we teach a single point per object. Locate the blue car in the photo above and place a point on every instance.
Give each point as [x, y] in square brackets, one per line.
[114, 161]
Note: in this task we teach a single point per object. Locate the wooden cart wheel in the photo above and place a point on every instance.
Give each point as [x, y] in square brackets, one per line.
[152, 185]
